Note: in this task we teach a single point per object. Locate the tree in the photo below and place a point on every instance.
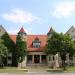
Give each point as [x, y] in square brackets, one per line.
[62, 44]
[21, 47]
[52, 44]
[10, 46]
[69, 46]
[8, 42]
[3, 52]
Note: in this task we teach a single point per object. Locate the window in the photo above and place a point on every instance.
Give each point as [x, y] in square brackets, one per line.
[49, 58]
[36, 43]
[29, 59]
[73, 37]
[72, 30]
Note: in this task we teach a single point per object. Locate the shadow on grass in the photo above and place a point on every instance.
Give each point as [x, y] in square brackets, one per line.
[55, 70]
[61, 70]
[12, 70]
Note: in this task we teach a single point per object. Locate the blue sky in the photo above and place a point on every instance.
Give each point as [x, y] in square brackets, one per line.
[37, 16]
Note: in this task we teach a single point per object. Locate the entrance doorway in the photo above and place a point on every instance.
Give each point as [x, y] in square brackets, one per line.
[29, 59]
[36, 58]
[44, 59]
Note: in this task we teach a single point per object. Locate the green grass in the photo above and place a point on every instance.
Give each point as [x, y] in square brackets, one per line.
[71, 68]
[55, 70]
[24, 70]
[68, 69]
[12, 70]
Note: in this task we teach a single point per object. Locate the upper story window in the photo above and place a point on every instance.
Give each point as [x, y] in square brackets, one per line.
[73, 30]
[36, 43]
[73, 37]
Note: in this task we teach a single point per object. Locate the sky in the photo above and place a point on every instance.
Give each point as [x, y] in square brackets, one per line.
[37, 16]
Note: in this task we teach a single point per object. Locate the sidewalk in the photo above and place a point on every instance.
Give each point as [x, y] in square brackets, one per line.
[37, 69]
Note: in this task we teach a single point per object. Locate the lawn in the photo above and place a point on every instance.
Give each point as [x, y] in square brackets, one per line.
[24, 70]
[12, 70]
[71, 69]
[68, 69]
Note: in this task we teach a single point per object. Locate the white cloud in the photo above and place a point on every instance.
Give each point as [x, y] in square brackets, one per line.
[19, 16]
[28, 31]
[64, 9]
[12, 31]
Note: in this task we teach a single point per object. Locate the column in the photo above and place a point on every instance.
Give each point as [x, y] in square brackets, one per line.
[56, 61]
[50, 60]
[47, 59]
[40, 58]
[23, 64]
[25, 61]
[33, 59]
[74, 60]
[67, 58]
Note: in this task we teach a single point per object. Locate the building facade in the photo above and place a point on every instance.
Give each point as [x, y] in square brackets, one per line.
[36, 47]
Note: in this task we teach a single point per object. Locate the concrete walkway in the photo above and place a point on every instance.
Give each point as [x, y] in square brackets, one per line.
[39, 74]
[37, 69]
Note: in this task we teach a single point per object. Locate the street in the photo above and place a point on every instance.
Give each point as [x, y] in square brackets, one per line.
[38, 74]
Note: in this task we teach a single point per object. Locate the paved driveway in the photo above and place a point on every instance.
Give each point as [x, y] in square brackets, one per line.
[39, 74]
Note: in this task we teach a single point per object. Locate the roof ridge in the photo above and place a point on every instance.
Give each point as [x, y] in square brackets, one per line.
[22, 29]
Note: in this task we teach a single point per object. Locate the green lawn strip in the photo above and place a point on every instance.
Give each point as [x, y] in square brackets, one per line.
[13, 70]
[55, 70]
[68, 69]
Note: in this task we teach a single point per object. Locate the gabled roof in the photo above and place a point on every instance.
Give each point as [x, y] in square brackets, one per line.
[30, 39]
[22, 30]
[2, 30]
[13, 38]
[70, 30]
[50, 31]
[36, 40]
[42, 39]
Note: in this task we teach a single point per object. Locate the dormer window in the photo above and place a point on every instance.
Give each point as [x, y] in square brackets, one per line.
[36, 43]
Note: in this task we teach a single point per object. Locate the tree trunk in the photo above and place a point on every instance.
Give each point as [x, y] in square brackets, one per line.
[63, 65]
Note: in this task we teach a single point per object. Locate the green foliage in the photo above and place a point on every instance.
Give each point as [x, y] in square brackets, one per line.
[3, 51]
[59, 42]
[8, 42]
[62, 44]
[10, 46]
[20, 49]
[53, 44]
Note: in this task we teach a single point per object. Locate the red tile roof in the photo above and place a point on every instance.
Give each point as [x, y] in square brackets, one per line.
[30, 39]
[22, 30]
[13, 38]
[50, 30]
